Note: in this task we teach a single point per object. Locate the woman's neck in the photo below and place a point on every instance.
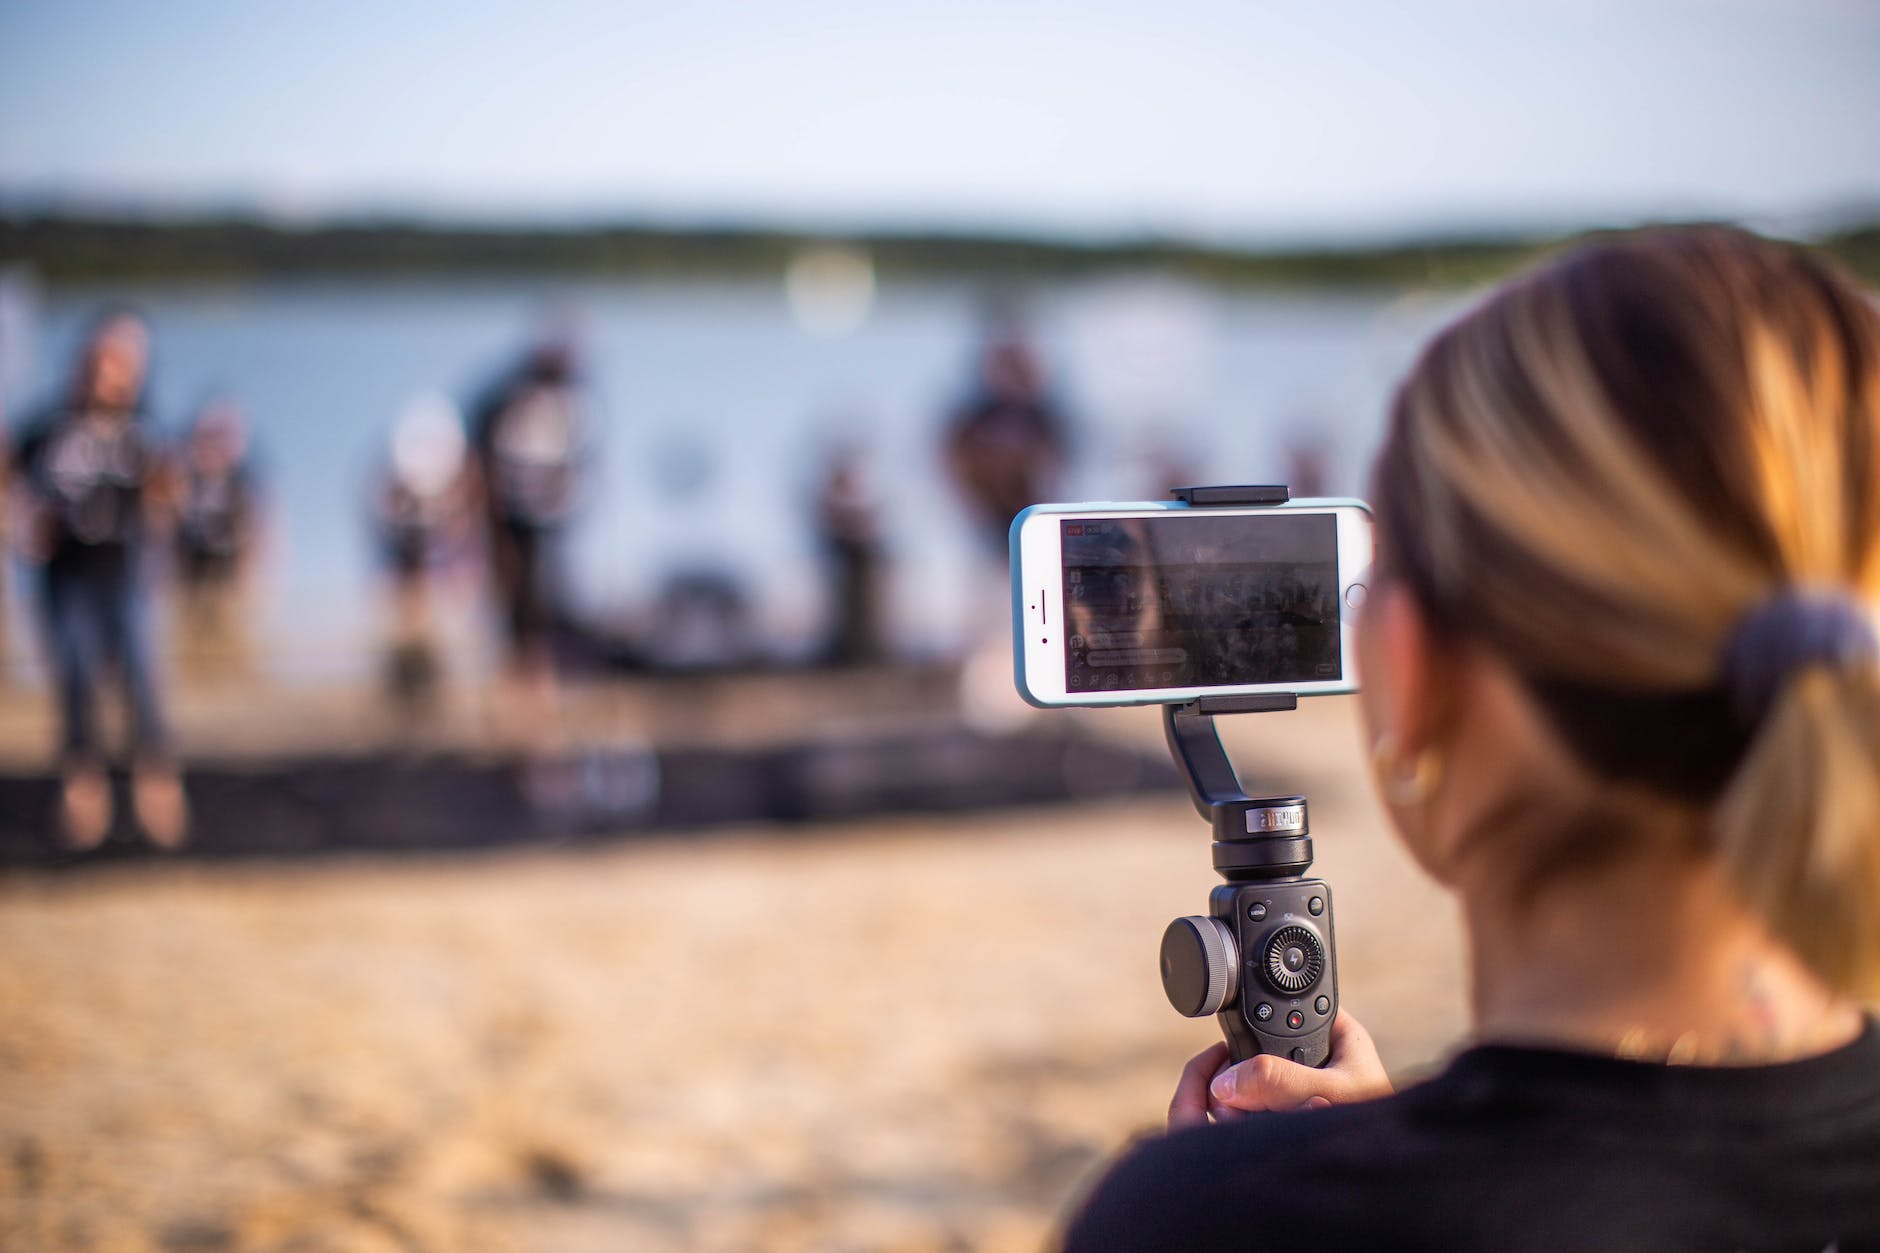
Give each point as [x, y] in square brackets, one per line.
[1654, 960]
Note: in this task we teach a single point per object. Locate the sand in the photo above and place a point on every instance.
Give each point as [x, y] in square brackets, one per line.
[903, 1034]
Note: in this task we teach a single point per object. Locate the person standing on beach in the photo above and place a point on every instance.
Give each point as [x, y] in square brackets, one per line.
[848, 527]
[423, 518]
[95, 487]
[217, 528]
[527, 434]
[1006, 446]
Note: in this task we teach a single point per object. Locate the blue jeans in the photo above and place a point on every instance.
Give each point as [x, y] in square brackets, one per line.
[94, 624]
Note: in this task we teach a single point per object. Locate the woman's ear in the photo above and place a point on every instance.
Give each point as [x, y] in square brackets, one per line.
[1407, 682]
[1401, 672]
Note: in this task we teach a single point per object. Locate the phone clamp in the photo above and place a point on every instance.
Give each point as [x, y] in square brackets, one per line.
[1262, 958]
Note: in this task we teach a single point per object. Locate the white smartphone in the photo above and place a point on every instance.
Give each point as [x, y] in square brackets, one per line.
[1157, 602]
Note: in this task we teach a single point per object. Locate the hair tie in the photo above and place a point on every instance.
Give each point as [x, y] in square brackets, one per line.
[1789, 632]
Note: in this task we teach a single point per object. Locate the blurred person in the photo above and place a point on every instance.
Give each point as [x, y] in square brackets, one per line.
[528, 435]
[1005, 448]
[848, 525]
[1006, 445]
[96, 488]
[218, 527]
[423, 516]
[1622, 694]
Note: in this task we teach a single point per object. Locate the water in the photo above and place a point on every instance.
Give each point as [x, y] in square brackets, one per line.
[717, 406]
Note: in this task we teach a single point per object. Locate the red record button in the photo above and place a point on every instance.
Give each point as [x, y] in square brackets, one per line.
[1295, 1020]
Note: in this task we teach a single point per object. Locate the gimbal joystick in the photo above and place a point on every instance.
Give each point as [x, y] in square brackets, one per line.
[1261, 959]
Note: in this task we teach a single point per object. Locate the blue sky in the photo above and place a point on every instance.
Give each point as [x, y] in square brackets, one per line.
[1252, 119]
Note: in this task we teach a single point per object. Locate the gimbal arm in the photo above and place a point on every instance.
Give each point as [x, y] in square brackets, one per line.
[1262, 836]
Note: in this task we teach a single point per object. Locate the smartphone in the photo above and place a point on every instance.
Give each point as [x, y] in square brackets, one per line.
[1157, 602]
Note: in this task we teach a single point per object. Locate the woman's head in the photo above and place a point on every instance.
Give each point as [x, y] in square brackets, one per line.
[1599, 478]
[113, 362]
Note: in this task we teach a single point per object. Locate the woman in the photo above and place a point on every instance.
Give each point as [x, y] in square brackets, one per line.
[1622, 694]
[94, 485]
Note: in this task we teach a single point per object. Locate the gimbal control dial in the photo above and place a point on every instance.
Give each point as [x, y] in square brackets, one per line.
[1200, 965]
[1295, 958]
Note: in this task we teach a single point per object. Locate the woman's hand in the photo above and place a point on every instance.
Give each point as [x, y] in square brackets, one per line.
[1209, 1088]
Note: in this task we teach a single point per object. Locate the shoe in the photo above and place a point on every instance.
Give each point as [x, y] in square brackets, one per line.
[161, 808]
[84, 808]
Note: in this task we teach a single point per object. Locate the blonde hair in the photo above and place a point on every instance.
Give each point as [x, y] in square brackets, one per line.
[1600, 472]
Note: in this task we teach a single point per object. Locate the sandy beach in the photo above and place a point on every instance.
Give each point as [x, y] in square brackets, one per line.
[917, 1033]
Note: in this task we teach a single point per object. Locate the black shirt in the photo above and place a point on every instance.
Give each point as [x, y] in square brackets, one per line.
[89, 470]
[215, 517]
[1517, 1148]
[528, 435]
[1009, 445]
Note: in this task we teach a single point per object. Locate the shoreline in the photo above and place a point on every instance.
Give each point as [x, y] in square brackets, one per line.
[73, 245]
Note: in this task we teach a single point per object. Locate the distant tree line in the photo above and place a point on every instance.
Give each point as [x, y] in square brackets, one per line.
[65, 247]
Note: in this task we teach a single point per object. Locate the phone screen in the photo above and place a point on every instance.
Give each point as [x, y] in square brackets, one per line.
[1200, 600]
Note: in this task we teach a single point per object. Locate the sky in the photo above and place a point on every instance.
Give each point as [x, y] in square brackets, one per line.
[1219, 119]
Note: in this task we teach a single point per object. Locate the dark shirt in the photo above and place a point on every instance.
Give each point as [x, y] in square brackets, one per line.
[1004, 450]
[528, 434]
[413, 527]
[215, 518]
[89, 472]
[1515, 1148]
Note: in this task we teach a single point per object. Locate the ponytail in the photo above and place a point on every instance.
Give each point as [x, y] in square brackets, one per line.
[1798, 827]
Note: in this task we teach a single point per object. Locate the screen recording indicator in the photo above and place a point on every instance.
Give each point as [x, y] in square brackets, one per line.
[1190, 601]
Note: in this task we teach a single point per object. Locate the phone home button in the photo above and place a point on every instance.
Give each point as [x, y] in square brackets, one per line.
[1355, 594]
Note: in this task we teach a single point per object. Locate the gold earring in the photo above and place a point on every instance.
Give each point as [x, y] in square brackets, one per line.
[1405, 788]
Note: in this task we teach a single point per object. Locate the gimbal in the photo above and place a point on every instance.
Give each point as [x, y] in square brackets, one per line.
[1261, 959]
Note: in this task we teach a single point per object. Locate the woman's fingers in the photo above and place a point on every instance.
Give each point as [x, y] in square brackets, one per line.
[1211, 1090]
[1272, 1083]
[1353, 1073]
[1190, 1106]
